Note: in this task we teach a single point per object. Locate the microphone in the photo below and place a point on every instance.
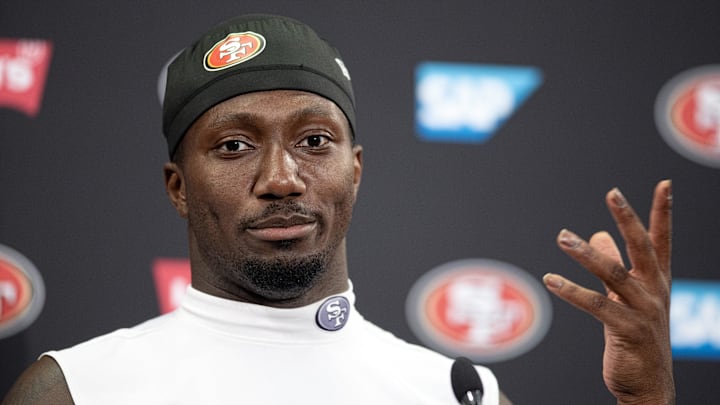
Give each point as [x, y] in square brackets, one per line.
[466, 383]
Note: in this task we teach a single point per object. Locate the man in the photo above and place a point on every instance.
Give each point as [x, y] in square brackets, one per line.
[259, 116]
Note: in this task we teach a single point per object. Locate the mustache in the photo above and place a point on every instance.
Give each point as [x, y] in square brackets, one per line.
[284, 209]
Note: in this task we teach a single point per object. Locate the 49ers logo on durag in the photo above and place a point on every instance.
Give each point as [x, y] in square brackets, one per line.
[235, 48]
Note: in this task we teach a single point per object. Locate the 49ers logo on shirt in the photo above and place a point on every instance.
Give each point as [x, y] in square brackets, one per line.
[235, 48]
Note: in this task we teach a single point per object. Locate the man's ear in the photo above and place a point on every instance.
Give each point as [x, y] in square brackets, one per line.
[358, 166]
[175, 187]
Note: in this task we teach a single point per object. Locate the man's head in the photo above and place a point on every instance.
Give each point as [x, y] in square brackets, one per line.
[247, 54]
[266, 178]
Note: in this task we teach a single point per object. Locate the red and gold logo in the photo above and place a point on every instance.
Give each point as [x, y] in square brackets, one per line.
[22, 292]
[172, 277]
[235, 48]
[481, 309]
[687, 113]
[24, 64]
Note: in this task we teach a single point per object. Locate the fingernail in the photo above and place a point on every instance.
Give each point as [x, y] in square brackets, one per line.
[669, 191]
[551, 281]
[568, 239]
[618, 198]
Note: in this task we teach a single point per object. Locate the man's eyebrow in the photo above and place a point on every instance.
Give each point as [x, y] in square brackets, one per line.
[313, 110]
[323, 112]
[241, 118]
[234, 119]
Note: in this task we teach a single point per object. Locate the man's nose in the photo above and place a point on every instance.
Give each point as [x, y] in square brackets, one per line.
[278, 175]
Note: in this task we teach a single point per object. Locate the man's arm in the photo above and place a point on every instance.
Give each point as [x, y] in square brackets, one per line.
[43, 383]
[635, 311]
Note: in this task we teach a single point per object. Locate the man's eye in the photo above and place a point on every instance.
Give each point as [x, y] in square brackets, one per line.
[314, 141]
[234, 146]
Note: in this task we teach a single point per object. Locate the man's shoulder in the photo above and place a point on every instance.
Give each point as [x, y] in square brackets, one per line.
[46, 381]
[417, 364]
[117, 344]
[387, 340]
[41, 383]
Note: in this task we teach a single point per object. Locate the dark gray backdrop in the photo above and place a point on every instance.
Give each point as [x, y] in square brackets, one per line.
[81, 184]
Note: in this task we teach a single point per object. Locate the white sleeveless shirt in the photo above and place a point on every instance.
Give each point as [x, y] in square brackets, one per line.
[217, 351]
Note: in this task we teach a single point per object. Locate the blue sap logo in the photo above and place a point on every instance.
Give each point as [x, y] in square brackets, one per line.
[468, 103]
[695, 319]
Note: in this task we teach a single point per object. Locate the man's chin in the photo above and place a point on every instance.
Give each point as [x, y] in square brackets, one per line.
[285, 278]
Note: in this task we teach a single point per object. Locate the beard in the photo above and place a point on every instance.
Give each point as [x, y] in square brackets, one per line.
[279, 278]
[284, 276]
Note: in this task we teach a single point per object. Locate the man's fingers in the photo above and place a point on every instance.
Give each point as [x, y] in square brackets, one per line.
[607, 267]
[661, 225]
[604, 243]
[640, 249]
[592, 302]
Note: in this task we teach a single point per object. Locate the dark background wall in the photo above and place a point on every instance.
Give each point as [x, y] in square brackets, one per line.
[81, 190]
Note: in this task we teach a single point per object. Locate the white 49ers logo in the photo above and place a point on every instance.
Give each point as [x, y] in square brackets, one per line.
[235, 48]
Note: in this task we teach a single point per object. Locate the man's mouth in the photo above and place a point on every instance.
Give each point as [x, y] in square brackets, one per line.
[279, 228]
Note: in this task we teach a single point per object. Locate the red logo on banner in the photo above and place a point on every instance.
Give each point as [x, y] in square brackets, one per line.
[15, 291]
[235, 48]
[482, 309]
[687, 113]
[172, 276]
[696, 112]
[23, 67]
[22, 292]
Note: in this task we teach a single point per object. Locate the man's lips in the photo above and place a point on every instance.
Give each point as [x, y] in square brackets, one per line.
[283, 228]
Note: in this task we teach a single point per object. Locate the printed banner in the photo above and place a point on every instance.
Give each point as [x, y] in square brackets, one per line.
[24, 65]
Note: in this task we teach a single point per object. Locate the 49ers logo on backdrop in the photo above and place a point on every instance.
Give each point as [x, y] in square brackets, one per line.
[172, 277]
[687, 113]
[23, 67]
[235, 48]
[22, 292]
[482, 309]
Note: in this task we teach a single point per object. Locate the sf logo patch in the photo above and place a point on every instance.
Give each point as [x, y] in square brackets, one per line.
[235, 48]
[333, 313]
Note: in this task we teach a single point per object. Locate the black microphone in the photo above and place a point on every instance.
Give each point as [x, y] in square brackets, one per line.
[466, 383]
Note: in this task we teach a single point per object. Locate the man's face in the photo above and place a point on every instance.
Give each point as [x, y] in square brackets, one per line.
[267, 181]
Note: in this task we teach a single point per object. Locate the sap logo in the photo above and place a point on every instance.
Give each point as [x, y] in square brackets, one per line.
[695, 319]
[468, 103]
